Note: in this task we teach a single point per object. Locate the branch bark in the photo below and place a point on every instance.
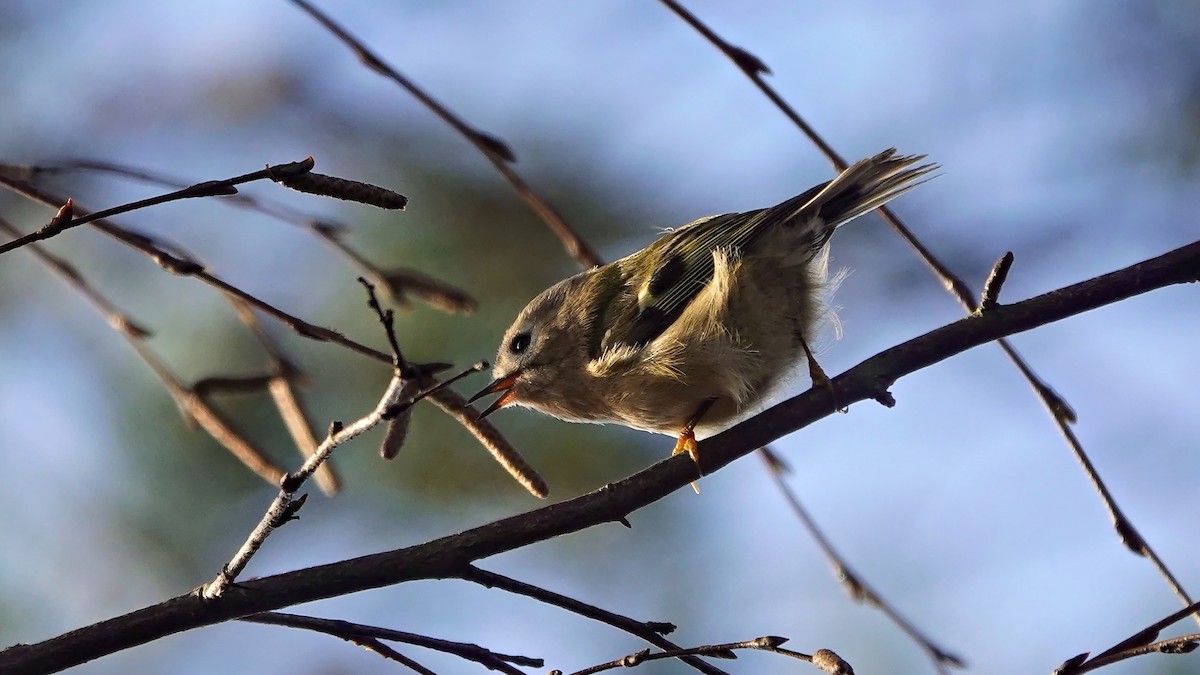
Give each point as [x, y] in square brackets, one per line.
[449, 556]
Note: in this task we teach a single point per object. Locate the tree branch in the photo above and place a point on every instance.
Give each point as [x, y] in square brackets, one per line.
[449, 556]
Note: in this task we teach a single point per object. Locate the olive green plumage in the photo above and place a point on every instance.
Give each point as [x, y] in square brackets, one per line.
[716, 309]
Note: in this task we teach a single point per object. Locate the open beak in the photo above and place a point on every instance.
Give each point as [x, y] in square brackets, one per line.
[500, 384]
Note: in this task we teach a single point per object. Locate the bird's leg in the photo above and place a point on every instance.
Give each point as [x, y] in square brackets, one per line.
[687, 436]
[818, 376]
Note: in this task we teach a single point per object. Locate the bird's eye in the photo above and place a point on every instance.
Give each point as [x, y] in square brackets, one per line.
[519, 343]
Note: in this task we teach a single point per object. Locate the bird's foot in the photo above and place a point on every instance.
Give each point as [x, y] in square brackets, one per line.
[687, 438]
[819, 379]
[687, 443]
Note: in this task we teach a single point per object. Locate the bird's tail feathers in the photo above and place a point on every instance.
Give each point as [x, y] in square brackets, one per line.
[866, 185]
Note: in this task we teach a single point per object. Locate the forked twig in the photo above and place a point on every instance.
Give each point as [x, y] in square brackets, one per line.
[824, 659]
[356, 632]
[650, 631]
[285, 505]
[184, 266]
[1139, 644]
[210, 188]
[396, 283]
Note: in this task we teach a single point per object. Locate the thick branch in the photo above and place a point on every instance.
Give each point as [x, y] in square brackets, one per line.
[449, 556]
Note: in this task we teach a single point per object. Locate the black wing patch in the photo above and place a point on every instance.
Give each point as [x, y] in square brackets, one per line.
[683, 267]
[669, 272]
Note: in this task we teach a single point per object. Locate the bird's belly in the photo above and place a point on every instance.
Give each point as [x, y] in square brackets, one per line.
[665, 404]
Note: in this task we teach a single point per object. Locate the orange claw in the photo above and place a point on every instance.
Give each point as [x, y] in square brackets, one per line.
[687, 437]
[687, 443]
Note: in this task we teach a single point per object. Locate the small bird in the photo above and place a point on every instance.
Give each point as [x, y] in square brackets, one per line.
[700, 325]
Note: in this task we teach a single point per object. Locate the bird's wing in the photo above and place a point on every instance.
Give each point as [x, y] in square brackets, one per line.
[659, 282]
[682, 265]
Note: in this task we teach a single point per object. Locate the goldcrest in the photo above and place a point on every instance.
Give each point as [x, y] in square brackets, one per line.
[691, 331]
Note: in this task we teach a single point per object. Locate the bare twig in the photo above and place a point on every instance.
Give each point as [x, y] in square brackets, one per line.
[231, 384]
[377, 646]
[650, 631]
[431, 389]
[494, 150]
[769, 643]
[210, 188]
[417, 381]
[1059, 410]
[449, 556]
[1125, 529]
[328, 627]
[396, 283]
[285, 505]
[355, 632]
[858, 589]
[1138, 644]
[184, 266]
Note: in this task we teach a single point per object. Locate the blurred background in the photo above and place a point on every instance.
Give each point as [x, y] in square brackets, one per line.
[1068, 132]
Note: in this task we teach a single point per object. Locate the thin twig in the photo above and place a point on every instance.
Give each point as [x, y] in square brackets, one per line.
[1138, 644]
[493, 149]
[431, 389]
[285, 505]
[377, 646]
[396, 283]
[1057, 407]
[388, 320]
[769, 643]
[210, 188]
[184, 266]
[650, 631]
[357, 631]
[858, 589]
